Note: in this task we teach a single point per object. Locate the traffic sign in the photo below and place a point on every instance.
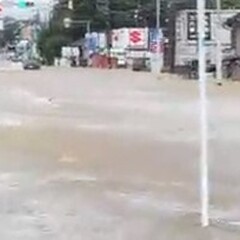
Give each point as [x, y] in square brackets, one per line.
[25, 4]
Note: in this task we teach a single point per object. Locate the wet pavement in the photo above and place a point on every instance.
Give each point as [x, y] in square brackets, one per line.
[93, 154]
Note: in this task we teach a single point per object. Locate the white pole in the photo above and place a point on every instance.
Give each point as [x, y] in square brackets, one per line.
[219, 45]
[159, 60]
[158, 9]
[203, 115]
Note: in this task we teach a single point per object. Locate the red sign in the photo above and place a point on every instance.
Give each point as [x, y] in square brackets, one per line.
[135, 36]
[138, 38]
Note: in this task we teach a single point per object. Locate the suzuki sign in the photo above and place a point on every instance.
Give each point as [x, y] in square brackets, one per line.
[138, 37]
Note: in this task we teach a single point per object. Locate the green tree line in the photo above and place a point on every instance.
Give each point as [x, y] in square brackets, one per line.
[110, 14]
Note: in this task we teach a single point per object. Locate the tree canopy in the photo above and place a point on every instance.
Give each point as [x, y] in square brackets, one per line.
[105, 14]
[11, 30]
[231, 4]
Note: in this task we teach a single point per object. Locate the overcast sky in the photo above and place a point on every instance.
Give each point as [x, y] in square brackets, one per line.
[13, 11]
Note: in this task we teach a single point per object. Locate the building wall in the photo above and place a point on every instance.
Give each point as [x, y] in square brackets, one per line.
[187, 49]
[237, 40]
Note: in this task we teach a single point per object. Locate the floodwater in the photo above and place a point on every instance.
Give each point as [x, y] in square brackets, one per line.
[91, 154]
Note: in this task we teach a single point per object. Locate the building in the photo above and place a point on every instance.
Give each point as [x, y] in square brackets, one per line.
[234, 24]
[186, 46]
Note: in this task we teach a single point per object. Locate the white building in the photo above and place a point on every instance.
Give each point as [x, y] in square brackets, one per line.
[186, 35]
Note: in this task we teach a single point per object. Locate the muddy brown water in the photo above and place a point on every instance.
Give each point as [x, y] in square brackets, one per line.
[88, 154]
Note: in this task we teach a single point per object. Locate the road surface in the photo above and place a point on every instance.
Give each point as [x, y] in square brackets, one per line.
[96, 154]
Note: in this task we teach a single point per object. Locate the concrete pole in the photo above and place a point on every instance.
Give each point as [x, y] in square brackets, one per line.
[203, 115]
[88, 26]
[158, 25]
[218, 43]
[158, 9]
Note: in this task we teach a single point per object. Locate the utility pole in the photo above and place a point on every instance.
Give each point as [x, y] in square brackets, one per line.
[88, 28]
[158, 58]
[204, 179]
[109, 31]
[158, 9]
[218, 43]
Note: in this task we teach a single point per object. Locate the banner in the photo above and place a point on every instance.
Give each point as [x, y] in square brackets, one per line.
[156, 46]
[138, 38]
[92, 42]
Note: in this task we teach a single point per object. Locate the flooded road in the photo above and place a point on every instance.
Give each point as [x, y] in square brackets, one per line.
[89, 154]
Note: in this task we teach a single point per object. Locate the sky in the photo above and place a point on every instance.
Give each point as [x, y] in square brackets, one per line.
[13, 11]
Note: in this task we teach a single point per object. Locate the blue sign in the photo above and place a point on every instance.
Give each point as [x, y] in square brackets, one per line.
[92, 42]
[155, 40]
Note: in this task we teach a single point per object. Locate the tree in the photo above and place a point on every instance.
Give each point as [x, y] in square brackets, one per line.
[50, 43]
[230, 4]
[11, 30]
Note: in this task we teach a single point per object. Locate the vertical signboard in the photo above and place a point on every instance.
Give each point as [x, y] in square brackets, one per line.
[91, 42]
[192, 26]
[102, 39]
[156, 42]
[120, 38]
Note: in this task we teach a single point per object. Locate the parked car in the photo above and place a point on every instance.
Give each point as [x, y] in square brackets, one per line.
[31, 64]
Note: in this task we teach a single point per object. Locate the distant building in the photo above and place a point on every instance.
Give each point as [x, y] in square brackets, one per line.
[186, 47]
[234, 24]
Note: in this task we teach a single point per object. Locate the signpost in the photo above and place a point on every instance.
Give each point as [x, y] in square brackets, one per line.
[203, 115]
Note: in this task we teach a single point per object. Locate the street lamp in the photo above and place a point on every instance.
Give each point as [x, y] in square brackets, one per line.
[68, 22]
